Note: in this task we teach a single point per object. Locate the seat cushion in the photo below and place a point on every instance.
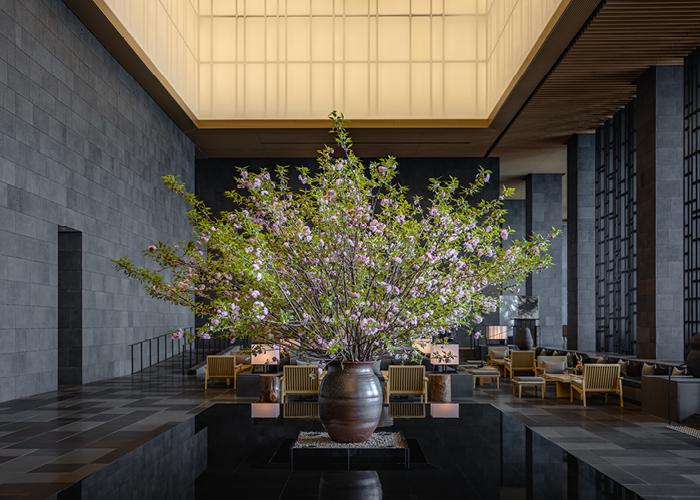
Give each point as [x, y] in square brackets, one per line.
[528, 379]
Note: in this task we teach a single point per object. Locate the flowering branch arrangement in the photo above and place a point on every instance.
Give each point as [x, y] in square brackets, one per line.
[348, 267]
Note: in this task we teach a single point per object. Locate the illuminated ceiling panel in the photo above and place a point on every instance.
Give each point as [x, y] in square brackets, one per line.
[233, 60]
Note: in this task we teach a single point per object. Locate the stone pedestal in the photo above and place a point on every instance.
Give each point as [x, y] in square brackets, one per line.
[270, 387]
[439, 388]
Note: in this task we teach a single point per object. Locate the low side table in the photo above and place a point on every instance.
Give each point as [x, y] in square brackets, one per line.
[536, 382]
[439, 387]
[562, 383]
[482, 375]
[270, 387]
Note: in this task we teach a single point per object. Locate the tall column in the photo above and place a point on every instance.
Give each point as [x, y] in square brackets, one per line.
[659, 129]
[515, 218]
[544, 212]
[580, 211]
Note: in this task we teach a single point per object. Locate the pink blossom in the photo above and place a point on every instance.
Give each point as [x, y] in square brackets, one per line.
[255, 294]
[152, 248]
[504, 234]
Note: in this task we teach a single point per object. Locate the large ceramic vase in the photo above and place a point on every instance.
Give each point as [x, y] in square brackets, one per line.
[693, 361]
[523, 339]
[350, 401]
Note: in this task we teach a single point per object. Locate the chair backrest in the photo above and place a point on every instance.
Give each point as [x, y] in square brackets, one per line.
[522, 359]
[551, 359]
[406, 410]
[301, 409]
[601, 376]
[301, 378]
[406, 378]
[221, 366]
[497, 351]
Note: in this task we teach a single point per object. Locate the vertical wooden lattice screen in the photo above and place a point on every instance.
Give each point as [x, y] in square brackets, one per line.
[616, 227]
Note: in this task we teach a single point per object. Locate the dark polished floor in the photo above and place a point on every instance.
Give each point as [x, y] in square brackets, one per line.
[52, 440]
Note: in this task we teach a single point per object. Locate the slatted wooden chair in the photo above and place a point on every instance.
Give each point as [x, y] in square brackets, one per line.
[300, 380]
[519, 362]
[597, 379]
[407, 380]
[221, 367]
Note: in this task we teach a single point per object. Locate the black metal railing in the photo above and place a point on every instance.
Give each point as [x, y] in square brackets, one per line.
[150, 352]
[196, 352]
[155, 351]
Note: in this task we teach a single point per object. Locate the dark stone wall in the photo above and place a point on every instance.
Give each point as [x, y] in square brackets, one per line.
[70, 306]
[214, 176]
[82, 145]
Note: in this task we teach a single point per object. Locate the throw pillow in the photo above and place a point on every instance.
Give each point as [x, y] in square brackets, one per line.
[553, 367]
[647, 369]
[570, 360]
[677, 372]
[498, 353]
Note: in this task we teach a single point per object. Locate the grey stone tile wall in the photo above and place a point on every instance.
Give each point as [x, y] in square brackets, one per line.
[81, 145]
[659, 129]
[544, 212]
[580, 242]
[515, 218]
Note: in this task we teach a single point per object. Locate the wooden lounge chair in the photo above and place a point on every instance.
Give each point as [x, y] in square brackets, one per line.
[520, 362]
[407, 380]
[300, 380]
[597, 378]
[496, 356]
[221, 367]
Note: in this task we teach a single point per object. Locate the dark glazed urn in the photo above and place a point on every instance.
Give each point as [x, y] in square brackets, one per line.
[350, 401]
[693, 361]
[523, 339]
[354, 485]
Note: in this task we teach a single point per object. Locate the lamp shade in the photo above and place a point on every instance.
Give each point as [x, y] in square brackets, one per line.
[265, 354]
[444, 354]
[444, 410]
[264, 410]
[422, 345]
[497, 332]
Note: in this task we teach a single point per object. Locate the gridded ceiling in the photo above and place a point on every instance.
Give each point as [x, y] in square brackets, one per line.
[243, 60]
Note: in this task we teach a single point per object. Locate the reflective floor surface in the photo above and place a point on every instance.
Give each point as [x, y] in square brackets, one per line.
[457, 451]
